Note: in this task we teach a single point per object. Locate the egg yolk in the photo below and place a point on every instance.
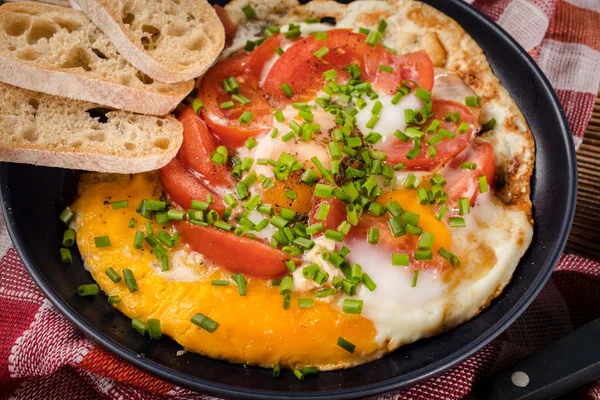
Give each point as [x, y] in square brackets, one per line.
[276, 194]
[254, 328]
[427, 221]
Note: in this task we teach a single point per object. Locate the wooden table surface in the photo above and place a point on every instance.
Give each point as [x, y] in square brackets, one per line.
[584, 239]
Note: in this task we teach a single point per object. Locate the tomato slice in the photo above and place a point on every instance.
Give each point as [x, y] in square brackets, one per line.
[183, 187]
[303, 72]
[446, 149]
[261, 55]
[235, 253]
[197, 148]
[463, 182]
[224, 122]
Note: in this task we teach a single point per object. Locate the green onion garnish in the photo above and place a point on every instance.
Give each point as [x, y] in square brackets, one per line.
[330, 75]
[489, 125]
[325, 292]
[323, 191]
[314, 229]
[298, 374]
[382, 25]
[473, 101]
[483, 185]
[88, 290]
[154, 329]
[246, 118]
[205, 322]
[227, 105]
[464, 206]
[69, 238]
[373, 38]
[131, 223]
[400, 259]
[457, 222]
[454, 261]
[321, 36]
[67, 215]
[138, 241]
[113, 275]
[119, 204]
[243, 100]
[276, 370]
[426, 241]
[197, 105]
[373, 236]
[305, 303]
[334, 235]
[452, 117]
[287, 283]
[114, 300]
[346, 345]
[386, 68]
[287, 89]
[130, 280]
[368, 282]
[102, 241]
[65, 255]
[468, 165]
[351, 306]
[249, 11]
[321, 52]
[165, 263]
[240, 280]
[139, 326]
[415, 277]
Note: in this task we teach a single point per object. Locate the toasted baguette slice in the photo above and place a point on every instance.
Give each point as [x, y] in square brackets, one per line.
[60, 51]
[55, 131]
[169, 40]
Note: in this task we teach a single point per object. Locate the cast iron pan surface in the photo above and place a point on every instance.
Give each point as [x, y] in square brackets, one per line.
[33, 197]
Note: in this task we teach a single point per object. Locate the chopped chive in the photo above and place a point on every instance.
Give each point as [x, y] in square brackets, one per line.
[113, 275]
[287, 89]
[368, 282]
[334, 235]
[69, 238]
[454, 261]
[102, 241]
[130, 280]
[457, 222]
[321, 52]
[227, 105]
[243, 100]
[287, 283]
[138, 240]
[323, 191]
[139, 326]
[116, 205]
[473, 101]
[197, 105]
[373, 38]
[199, 205]
[422, 196]
[426, 241]
[154, 329]
[65, 255]
[88, 290]
[382, 25]
[386, 68]
[246, 118]
[219, 282]
[176, 215]
[67, 215]
[249, 11]
[325, 293]
[464, 206]
[305, 303]
[314, 229]
[330, 75]
[488, 126]
[240, 280]
[131, 223]
[114, 300]
[298, 374]
[452, 117]
[483, 185]
[468, 165]
[165, 263]
[276, 370]
[400, 259]
[346, 345]
[415, 278]
[250, 45]
[321, 36]
[351, 306]
[205, 322]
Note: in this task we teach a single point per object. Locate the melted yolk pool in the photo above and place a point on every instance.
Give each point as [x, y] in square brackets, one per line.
[408, 201]
[254, 329]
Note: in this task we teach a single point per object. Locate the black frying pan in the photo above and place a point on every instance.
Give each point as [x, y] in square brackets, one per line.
[32, 198]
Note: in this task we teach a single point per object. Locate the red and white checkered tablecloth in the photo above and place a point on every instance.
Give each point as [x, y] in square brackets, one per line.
[43, 356]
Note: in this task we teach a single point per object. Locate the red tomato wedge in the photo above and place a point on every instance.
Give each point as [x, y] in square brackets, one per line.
[263, 54]
[446, 149]
[463, 182]
[303, 71]
[197, 148]
[235, 253]
[224, 122]
[183, 187]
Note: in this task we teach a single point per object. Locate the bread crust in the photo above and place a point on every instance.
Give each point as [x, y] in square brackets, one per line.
[111, 81]
[107, 18]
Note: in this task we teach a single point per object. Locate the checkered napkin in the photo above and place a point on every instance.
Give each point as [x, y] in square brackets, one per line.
[43, 356]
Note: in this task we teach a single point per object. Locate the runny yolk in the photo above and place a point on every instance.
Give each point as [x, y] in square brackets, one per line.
[254, 328]
[408, 201]
[275, 195]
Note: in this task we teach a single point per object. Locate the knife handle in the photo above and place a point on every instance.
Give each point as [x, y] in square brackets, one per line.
[558, 368]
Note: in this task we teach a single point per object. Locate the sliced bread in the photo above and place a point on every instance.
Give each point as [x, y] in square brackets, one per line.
[169, 40]
[55, 131]
[59, 51]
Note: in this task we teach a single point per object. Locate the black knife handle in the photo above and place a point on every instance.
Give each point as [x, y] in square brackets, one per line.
[564, 365]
